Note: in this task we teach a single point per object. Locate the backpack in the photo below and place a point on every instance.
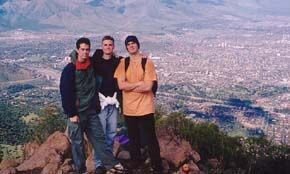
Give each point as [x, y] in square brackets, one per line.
[143, 63]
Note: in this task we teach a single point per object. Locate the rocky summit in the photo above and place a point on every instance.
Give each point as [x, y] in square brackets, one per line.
[54, 156]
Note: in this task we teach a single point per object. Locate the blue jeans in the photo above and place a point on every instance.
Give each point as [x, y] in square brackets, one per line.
[91, 125]
[108, 118]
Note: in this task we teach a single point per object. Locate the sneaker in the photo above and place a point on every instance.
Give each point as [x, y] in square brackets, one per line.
[118, 169]
[101, 170]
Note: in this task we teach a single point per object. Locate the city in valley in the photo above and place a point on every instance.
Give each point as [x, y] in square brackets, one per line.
[238, 79]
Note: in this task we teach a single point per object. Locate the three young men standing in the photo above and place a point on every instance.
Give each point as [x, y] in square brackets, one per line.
[80, 100]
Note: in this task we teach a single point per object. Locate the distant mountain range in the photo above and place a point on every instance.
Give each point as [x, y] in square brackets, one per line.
[133, 15]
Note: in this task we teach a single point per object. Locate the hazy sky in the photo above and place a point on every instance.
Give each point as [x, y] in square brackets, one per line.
[277, 6]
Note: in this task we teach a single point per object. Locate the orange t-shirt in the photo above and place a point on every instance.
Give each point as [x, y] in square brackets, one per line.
[135, 103]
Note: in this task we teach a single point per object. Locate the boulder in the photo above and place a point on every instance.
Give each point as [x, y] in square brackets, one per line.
[66, 167]
[52, 151]
[9, 170]
[8, 163]
[175, 149]
[50, 168]
[54, 155]
[29, 149]
[119, 152]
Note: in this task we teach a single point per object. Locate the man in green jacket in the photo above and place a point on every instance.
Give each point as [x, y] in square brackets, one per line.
[80, 102]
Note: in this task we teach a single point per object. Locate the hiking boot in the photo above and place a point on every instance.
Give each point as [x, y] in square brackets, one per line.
[101, 170]
[157, 169]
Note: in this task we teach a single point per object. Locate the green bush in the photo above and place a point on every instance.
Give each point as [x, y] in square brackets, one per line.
[8, 152]
[50, 120]
[234, 153]
[265, 157]
[13, 129]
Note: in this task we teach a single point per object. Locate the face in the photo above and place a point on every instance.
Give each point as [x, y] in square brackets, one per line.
[108, 47]
[132, 47]
[83, 52]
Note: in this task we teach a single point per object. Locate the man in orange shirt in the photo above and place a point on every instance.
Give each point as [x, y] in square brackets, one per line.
[138, 103]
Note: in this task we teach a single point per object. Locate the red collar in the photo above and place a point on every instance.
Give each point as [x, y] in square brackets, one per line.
[83, 65]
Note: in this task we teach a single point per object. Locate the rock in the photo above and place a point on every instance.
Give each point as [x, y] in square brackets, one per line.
[195, 156]
[54, 155]
[50, 168]
[169, 143]
[29, 149]
[9, 170]
[66, 167]
[194, 168]
[119, 152]
[51, 151]
[8, 163]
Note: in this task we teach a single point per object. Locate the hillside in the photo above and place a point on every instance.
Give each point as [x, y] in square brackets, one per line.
[13, 72]
[134, 15]
[202, 146]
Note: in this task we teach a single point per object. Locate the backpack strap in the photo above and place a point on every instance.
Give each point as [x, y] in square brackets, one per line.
[143, 62]
[155, 83]
[127, 62]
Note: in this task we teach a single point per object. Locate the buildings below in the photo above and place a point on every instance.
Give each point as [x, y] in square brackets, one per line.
[237, 79]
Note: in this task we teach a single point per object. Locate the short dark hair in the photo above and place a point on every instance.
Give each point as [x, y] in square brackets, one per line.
[81, 41]
[107, 37]
[132, 38]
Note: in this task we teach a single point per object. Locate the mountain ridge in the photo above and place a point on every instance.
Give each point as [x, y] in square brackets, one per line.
[131, 15]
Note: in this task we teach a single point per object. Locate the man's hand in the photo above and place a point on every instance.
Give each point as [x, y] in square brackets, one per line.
[143, 86]
[126, 86]
[74, 119]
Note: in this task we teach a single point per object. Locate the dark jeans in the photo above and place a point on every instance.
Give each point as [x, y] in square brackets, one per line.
[91, 125]
[145, 123]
